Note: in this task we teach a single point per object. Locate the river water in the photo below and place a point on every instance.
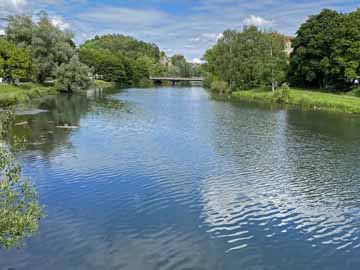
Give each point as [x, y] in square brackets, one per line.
[167, 178]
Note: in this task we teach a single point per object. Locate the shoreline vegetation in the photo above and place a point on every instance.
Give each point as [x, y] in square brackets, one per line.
[321, 63]
[23, 93]
[302, 98]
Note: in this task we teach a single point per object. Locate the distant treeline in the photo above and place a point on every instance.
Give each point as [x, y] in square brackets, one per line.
[326, 55]
[126, 60]
[39, 51]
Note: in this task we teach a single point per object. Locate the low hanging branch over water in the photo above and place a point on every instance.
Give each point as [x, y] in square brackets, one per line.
[20, 211]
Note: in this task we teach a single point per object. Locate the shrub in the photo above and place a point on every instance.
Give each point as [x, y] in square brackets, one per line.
[220, 87]
[282, 94]
[356, 91]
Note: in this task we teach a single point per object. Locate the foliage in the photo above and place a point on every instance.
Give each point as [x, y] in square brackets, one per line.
[312, 62]
[13, 94]
[282, 94]
[19, 207]
[248, 59]
[49, 45]
[121, 59]
[327, 51]
[15, 63]
[356, 91]
[20, 30]
[306, 99]
[72, 76]
[220, 87]
[128, 46]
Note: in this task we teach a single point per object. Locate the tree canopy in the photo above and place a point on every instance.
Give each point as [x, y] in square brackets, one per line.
[121, 58]
[247, 59]
[327, 51]
[15, 63]
[44, 46]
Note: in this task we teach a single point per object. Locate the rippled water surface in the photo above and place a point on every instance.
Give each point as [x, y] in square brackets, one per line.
[171, 179]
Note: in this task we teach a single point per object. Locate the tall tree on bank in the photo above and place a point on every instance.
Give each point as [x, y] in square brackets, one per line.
[247, 59]
[49, 46]
[72, 76]
[313, 62]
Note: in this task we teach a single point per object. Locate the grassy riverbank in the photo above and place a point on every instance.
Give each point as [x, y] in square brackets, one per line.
[104, 84]
[305, 99]
[11, 94]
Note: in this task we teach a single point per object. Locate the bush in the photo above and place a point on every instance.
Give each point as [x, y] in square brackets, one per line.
[282, 94]
[356, 91]
[220, 87]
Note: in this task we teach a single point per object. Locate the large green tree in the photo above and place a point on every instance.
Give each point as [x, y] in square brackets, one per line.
[72, 76]
[15, 63]
[48, 44]
[317, 59]
[51, 47]
[247, 59]
[121, 59]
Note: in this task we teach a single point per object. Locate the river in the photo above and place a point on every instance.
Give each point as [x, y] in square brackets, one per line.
[168, 178]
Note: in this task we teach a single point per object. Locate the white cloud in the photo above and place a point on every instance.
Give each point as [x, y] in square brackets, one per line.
[11, 6]
[59, 22]
[197, 61]
[2, 32]
[258, 21]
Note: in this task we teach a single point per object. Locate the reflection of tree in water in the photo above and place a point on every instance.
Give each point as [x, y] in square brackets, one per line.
[322, 154]
[19, 208]
[40, 131]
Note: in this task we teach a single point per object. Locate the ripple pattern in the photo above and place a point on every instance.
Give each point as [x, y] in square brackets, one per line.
[170, 179]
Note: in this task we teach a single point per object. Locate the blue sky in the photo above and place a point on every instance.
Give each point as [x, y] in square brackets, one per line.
[188, 27]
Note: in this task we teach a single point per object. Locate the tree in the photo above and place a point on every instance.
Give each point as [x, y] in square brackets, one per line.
[20, 30]
[50, 47]
[346, 50]
[15, 63]
[276, 65]
[247, 59]
[110, 66]
[314, 61]
[72, 76]
[122, 59]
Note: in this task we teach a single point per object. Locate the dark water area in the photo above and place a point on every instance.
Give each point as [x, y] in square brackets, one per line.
[168, 178]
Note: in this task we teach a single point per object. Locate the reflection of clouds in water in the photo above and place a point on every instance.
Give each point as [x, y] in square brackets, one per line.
[276, 187]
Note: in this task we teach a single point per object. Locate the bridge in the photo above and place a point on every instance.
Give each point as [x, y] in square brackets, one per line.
[174, 80]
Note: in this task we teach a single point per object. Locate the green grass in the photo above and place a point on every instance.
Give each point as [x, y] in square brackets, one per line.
[306, 99]
[11, 94]
[104, 84]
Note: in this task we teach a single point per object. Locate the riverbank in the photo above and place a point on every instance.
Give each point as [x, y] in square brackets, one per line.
[25, 92]
[306, 99]
[104, 84]
[11, 94]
